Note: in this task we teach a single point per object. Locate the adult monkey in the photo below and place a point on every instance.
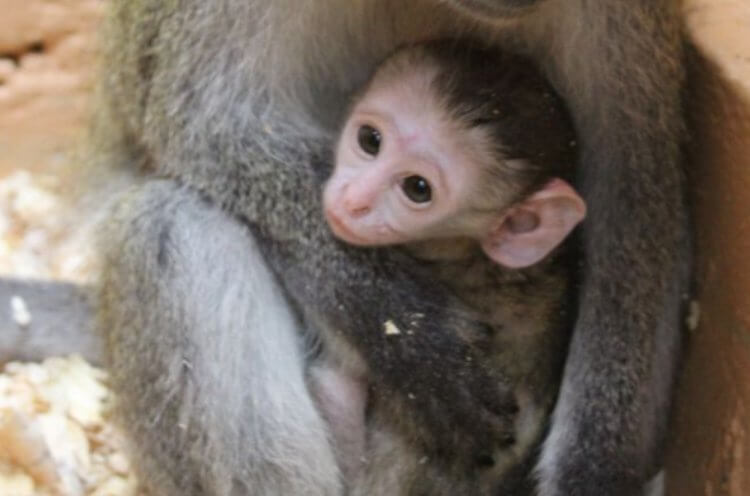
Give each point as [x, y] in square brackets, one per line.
[225, 96]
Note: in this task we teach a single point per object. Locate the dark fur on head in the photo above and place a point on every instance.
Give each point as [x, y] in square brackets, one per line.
[500, 99]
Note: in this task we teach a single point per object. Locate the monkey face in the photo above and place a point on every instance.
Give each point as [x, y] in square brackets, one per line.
[400, 172]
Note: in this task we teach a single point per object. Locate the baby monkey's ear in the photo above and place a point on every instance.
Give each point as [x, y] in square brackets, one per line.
[530, 230]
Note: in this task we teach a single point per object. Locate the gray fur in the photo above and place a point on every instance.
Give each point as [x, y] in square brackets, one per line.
[235, 98]
[249, 174]
[217, 403]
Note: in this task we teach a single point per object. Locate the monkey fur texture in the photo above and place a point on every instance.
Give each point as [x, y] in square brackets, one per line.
[228, 107]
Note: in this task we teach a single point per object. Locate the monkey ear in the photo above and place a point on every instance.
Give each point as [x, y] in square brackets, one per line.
[534, 227]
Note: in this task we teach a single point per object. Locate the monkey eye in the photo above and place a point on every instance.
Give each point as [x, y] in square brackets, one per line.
[417, 189]
[369, 139]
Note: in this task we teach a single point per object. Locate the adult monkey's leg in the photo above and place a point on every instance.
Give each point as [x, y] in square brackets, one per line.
[205, 355]
[620, 67]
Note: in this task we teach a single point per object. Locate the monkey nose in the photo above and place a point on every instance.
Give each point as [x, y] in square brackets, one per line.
[355, 204]
[358, 211]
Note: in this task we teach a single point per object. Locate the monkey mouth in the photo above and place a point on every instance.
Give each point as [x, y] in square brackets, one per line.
[342, 231]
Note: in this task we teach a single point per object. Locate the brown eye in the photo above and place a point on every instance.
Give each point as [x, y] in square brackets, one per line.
[417, 189]
[369, 139]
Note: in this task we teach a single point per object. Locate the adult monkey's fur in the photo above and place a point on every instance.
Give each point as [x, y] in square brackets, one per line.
[226, 97]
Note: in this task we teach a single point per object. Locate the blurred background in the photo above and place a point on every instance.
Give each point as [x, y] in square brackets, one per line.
[47, 64]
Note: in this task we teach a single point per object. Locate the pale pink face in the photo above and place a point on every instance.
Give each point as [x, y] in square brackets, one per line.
[400, 174]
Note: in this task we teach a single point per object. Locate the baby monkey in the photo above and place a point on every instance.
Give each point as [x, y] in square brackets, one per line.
[466, 164]
[439, 145]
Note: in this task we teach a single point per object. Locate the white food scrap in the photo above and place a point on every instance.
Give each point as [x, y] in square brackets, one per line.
[391, 329]
[20, 311]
